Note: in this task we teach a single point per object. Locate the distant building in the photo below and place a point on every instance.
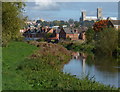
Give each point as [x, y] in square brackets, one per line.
[89, 19]
[69, 33]
[99, 13]
[34, 34]
[83, 16]
[65, 33]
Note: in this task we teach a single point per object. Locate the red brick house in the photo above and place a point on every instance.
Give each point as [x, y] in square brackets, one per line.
[65, 33]
[34, 34]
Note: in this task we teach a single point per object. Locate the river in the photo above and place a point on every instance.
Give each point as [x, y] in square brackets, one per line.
[102, 69]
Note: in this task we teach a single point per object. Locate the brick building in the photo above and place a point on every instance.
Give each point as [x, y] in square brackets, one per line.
[66, 33]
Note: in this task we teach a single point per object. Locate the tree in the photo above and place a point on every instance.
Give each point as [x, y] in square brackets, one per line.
[12, 20]
[90, 35]
[77, 24]
[107, 41]
[71, 21]
[56, 23]
[100, 25]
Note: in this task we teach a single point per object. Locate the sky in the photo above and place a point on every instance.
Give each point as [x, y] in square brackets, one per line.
[50, 10]
[60, 0]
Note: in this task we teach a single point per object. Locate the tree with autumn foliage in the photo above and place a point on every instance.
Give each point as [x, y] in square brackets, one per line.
[100, 25]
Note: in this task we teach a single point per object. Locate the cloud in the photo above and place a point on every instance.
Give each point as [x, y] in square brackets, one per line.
[46, 5]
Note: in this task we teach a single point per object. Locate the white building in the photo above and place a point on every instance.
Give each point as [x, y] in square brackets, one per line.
[95, 18]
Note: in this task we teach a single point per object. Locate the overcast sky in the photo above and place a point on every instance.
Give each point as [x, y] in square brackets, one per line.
[65, 10]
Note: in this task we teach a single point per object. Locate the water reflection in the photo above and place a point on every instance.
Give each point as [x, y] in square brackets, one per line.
[106, 64]
[103, 68]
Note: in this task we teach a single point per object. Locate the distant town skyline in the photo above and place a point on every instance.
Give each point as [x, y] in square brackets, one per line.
[66, 10]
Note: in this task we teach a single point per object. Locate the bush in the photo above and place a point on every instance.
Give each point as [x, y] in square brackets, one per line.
[88, 47]
[76, 46]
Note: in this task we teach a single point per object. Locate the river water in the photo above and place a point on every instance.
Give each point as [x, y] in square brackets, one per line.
[102, 69]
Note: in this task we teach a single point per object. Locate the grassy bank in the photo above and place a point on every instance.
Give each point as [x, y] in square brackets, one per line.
[15, 53]
[41, 70]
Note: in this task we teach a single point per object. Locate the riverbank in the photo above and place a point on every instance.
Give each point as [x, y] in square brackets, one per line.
[78, 46]
[38, 67]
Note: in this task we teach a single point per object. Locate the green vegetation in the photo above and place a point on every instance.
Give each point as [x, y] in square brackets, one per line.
[107, 41]
[59, 23]
[12, 21]
[90, 35]
[77, 46]
[98, 44]
[53, 23]
[104, 42]
[70, 21]
[48, 35]
[39, 67]
[41, 76]
[41, 70]
[15, 53]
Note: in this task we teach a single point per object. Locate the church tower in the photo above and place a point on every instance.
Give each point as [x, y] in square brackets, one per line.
[83, 16]
[99, 13]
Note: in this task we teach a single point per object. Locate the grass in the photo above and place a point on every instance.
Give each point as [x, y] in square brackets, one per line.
[12, 56]
[24, 68]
